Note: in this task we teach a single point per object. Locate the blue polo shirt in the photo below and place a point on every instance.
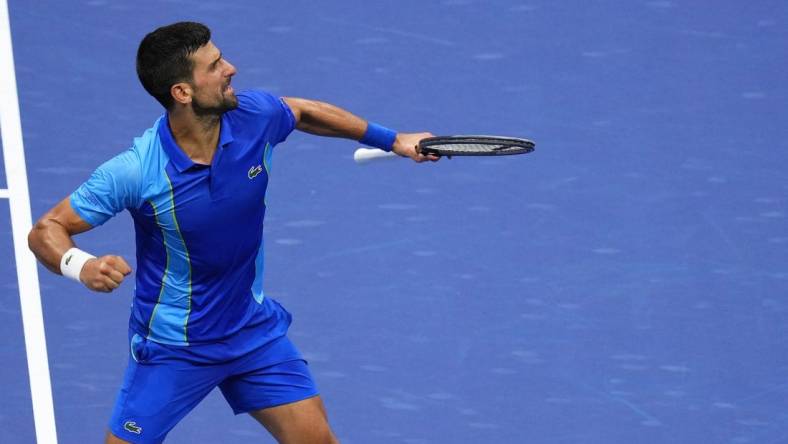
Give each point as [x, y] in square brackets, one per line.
[199, 228]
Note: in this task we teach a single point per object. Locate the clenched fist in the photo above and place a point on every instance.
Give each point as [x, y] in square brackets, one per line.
[104, 273]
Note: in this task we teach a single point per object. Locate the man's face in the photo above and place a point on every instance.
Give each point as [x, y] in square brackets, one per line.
[212, 93]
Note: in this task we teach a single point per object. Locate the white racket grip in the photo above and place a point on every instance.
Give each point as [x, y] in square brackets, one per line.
[365, 155]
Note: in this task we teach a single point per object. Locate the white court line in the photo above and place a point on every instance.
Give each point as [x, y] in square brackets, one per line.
[4, 193]
[21, 222]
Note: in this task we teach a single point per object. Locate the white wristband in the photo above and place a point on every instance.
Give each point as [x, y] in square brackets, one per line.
[72, 262]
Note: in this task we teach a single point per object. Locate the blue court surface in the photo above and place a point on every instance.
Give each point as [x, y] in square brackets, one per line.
[626, 282]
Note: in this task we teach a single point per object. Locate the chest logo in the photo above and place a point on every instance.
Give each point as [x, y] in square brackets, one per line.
[254, 171]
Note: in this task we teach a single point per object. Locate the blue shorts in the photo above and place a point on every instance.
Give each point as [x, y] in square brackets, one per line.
[162, 384]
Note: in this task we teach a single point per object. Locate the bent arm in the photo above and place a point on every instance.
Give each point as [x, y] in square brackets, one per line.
[325, 119]
[51, 236]
[50, 239]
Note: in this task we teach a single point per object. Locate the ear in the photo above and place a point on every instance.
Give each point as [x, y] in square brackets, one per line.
[181, 93]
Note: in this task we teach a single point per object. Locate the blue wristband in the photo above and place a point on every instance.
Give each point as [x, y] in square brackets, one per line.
[379, 137]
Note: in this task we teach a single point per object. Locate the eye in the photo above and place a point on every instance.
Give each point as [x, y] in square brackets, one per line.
[215, 64]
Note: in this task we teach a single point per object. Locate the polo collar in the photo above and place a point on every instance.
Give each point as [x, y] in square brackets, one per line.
[179, 159]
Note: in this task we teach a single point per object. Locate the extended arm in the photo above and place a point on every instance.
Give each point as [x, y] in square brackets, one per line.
[50, 239]
[324, 119]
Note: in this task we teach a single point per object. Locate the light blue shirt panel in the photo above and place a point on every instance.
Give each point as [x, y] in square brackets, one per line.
[113, 187]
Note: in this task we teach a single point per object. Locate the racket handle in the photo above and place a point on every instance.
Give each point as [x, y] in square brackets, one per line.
[365, 155]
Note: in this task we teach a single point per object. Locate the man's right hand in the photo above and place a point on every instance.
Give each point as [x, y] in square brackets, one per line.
[104, 273]
[405, 145]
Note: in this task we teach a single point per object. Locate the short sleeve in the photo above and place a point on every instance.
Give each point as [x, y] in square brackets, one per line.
[113, 187]
[281, 121]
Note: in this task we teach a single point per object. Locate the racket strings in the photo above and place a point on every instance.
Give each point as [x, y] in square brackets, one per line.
[479, 148]
[475, 145]
[472, 147]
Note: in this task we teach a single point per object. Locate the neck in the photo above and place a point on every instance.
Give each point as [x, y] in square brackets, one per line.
[196, 135]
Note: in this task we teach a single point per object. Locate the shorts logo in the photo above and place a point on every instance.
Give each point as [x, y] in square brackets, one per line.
[131, 426]
[254, 171]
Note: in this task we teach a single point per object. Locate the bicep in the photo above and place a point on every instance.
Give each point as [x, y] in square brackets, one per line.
[325, 119]
[64, 215]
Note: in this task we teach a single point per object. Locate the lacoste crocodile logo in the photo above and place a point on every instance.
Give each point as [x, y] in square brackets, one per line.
[131, 426]
[254, 171]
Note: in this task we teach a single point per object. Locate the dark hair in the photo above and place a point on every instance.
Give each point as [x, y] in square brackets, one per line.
[163, 57]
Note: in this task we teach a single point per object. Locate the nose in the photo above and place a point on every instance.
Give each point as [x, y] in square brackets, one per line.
[230, 70]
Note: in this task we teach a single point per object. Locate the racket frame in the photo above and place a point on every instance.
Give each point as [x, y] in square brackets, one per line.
[431, 145]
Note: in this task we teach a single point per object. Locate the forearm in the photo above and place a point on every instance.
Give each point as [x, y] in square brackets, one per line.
[50, 237]
[49, 240]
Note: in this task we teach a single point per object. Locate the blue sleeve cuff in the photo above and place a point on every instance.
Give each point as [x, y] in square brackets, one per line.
[88, 217]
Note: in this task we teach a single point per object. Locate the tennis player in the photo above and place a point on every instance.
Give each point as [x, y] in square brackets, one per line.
[194, 184]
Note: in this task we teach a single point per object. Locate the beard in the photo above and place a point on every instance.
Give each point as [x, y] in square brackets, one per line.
[228, 102]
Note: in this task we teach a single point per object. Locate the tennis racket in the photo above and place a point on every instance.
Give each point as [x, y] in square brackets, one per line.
[455, 146]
